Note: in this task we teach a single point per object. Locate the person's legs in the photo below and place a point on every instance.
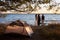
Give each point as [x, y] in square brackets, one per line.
[42, 22]
[38, 23]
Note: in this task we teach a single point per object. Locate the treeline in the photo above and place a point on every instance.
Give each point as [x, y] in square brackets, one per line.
[22, 1]
[14, 4]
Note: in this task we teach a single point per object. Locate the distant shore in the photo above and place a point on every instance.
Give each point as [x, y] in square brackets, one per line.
[34, 12]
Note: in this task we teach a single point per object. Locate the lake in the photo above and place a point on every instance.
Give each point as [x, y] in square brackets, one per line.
[29, 18]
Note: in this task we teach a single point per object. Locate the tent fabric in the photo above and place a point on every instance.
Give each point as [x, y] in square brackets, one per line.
[20, 30]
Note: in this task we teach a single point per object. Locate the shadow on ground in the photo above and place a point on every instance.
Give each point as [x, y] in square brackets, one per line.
[13, 36]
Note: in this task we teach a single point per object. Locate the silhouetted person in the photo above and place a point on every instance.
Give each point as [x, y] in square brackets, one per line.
[37, 17]
[43, 18]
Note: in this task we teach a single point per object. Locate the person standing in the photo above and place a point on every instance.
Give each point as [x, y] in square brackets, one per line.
[37, 18]
[43, 18]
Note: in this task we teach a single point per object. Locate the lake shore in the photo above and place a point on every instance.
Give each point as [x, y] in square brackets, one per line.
[53, 11]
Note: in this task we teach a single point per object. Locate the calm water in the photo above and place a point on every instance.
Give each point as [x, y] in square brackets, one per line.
[29, 18]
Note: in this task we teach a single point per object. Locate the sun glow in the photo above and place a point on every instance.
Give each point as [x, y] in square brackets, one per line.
[29, 30]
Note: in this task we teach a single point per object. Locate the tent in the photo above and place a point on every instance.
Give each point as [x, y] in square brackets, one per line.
[19, 30]
[15, 28]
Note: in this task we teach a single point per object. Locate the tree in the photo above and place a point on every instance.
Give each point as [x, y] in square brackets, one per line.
[40, 1]
[46, 1]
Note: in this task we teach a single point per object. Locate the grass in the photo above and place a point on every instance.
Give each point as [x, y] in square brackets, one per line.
[50, 32]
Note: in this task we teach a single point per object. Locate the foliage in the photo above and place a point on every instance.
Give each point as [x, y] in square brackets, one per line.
[46, 1]
[20, 2]
[2, 9]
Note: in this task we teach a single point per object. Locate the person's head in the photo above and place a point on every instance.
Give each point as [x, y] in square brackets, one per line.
[39, 14]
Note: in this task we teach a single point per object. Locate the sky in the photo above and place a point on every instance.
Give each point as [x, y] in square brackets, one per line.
[57, 1]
